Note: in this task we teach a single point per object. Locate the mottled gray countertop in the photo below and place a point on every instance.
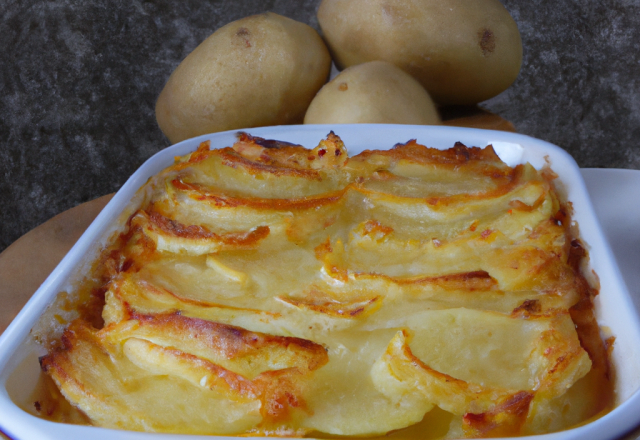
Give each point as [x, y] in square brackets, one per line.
[79, 81]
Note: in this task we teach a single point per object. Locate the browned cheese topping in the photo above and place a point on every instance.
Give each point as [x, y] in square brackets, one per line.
[270, 289]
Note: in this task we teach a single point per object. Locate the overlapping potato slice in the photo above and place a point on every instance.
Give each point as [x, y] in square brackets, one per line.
[414, 160]
[264, 376]
[251, 171]
[217, 210]
[115, 393]
[244, 352]
[480, 366]
[456, 190]
[172, 236]
[536, 261]
[342, 395]
[324, 310]
[538, 352]
[271, 289]
[449, 218]
[129, 295]
[257, 182]
[320, 303]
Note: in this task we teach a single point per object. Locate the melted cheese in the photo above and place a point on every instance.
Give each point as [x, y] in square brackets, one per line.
[286, 291]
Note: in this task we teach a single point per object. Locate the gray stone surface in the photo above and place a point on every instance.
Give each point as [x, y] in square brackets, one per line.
[579, 86]
[79, 80]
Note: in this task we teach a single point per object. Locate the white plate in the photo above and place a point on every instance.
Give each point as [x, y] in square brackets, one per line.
[614, 307]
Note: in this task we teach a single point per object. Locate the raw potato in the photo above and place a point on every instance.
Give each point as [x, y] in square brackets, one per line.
[374, 92]
[257, 71]
[461, 51]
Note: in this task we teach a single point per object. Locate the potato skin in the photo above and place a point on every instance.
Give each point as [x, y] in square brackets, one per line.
[373, 92]
[260, 70]
[461, 51]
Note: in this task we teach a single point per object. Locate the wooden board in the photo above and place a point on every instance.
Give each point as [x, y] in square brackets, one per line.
[26, 263]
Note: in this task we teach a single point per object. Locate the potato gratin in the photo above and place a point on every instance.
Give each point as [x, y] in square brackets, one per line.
[269, 289]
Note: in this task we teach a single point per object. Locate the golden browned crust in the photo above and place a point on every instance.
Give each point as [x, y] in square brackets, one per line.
[201, 193]
[271, 289]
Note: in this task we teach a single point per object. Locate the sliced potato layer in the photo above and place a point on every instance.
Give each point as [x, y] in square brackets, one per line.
[269, 289]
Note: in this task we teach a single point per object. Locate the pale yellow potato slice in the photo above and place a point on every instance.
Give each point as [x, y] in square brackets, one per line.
[115, 393]
[474, 363]
[170, 361]
[238, 350]
[526, 263]
[172, 236]
[251, 171]
[130, 295]
[390, 293]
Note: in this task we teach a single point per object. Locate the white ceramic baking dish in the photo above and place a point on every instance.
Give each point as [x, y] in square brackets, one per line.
[19, 367]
